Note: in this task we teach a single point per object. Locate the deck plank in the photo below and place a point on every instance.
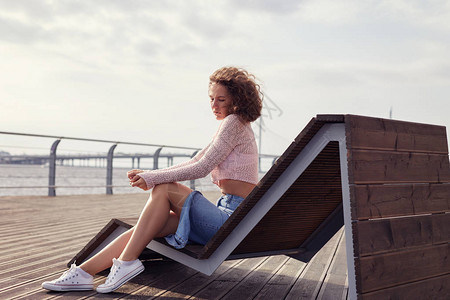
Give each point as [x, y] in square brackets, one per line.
[196, 283]
[281, 283]
[249, 287]
[311, 280]
[334, 284]
[41, 234]
[226, 282]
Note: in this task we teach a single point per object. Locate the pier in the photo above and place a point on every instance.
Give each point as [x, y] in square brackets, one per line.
[41, 234]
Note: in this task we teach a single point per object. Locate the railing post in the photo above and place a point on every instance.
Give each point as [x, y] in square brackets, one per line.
[156, 158]
[193, 180]
[52, 169]
[109, 170]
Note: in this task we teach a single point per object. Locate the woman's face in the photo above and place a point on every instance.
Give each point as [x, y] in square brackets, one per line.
[220, 100]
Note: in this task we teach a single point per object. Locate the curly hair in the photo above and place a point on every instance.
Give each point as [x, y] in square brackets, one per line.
[245, 92]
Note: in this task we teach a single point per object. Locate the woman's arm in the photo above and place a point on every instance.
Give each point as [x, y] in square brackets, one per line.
[134, 179]
[190, 161]
[221, 146]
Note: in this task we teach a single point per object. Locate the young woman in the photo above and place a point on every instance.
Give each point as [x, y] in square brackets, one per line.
[173, 210]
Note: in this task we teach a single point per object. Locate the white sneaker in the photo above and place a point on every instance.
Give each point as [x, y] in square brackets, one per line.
[121, 272]
[74, 279]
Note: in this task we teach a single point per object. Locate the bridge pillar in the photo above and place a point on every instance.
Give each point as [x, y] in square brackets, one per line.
[109, 170]
[52, 169]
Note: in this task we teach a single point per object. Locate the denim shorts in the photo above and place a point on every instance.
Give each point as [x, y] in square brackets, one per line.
[200, 219]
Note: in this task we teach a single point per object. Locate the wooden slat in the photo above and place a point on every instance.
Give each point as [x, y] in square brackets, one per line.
[331, 118]
[377, 236]
[397, 167]
[311, 279]
[254, 282]
[145, 289]
[196, 283]
[387, 270]
[384, 134]
[334, 286]
[434, 288]
[320, 183]
[227, 281]
[301, 209]
[378, 201]
[280, 284]
[303, 138]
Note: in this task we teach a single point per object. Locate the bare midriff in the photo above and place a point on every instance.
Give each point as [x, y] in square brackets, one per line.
[236, 187]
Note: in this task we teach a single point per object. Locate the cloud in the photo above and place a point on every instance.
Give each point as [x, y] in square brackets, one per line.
[267, 6]
[37, 10]
[432, 14]
[207, 27]
[18, 32]
[333, 12]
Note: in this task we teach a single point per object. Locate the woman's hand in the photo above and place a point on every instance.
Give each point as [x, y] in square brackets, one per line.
[140, 183]
[131, 174]
[137, 181]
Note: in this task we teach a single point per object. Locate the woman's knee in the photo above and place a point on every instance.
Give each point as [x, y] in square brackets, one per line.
[171, 190]
[162, 191]
[176, 194]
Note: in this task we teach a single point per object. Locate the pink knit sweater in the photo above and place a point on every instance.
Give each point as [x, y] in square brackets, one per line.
[232, 154]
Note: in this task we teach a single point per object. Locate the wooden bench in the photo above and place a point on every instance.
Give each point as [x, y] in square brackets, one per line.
[388, 181]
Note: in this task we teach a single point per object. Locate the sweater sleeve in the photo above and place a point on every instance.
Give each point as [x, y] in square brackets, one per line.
[204, 162]
[188, 162]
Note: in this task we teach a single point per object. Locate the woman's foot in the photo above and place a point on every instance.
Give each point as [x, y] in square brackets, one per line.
[121, 272]
[74, 279]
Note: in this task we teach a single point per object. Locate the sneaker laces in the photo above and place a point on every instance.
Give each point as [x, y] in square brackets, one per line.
[66, 274]
[114, 269]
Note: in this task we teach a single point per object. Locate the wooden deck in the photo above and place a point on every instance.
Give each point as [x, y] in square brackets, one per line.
[39, 235]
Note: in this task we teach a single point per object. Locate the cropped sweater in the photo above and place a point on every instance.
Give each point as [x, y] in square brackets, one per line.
[232, 154]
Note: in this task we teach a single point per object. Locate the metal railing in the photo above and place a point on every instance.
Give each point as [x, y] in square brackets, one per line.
[52, 158]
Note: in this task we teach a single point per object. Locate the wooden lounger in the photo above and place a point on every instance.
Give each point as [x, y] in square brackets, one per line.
[340, 167]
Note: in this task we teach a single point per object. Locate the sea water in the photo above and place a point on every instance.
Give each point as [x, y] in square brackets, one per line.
[18, 180]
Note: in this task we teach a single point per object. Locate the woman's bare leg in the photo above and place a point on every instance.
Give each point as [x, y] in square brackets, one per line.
[103, 260]
[156, 218]
[160, 215]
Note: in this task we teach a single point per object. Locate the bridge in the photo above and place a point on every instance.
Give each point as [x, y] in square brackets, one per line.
[99, 160]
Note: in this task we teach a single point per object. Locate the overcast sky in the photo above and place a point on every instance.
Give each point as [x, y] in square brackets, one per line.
[138, 70]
